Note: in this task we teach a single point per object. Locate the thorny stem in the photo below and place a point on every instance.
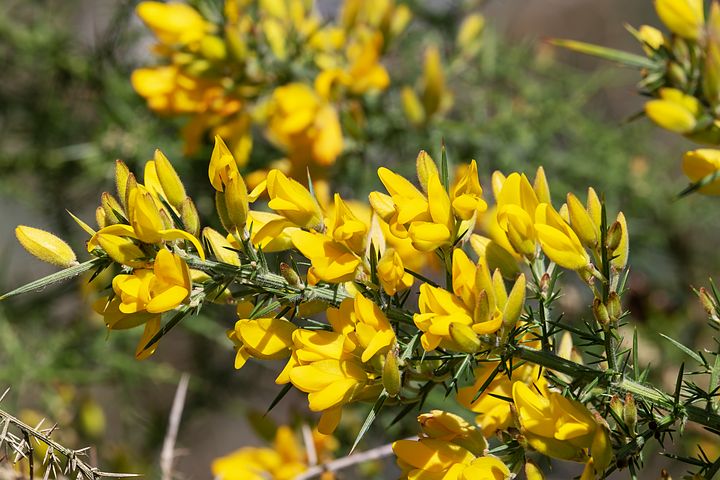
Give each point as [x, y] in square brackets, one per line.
[81, 467]
[608, 330]
[247, 275]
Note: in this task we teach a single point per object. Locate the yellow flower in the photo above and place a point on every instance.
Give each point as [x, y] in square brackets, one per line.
[698, 164]
[560, 427]
[558, 240]
[148, 223]
[392, 274]
[429, 221]
[329, 383]
[452, 428]
[582, 222]
[293, 201]
[331, 261]
[365, 324]
[269, 231]
[683, 17]
[439, 459]
[263, 338]
[156, 291]
[495, 414]
[304, 125]
[478, 305]
[222, 165]
[45, 246]
[284, 461]
[435, 97]
[674, 110]
[173, 22]
[466, 193]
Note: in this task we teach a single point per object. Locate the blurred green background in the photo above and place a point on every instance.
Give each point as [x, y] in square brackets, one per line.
[67, 110]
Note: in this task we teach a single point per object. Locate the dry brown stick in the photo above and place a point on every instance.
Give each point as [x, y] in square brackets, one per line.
[345, 462]
[167, 455]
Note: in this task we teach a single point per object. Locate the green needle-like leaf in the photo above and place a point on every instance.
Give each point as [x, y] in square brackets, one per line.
[60, 276]
[611, 54]
[370, 419]
[686, 350]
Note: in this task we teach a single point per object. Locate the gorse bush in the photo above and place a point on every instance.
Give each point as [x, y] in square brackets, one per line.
[447, 282]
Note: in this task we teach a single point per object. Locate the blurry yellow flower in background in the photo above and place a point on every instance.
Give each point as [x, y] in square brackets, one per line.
[284, 461]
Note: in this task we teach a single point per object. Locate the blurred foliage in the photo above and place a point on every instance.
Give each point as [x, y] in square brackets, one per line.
[69, 109]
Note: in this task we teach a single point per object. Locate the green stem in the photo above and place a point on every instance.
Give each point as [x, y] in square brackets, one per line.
[609, 330]
[639, 390]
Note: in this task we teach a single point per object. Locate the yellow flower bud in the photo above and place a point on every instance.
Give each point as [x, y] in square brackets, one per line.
[674, 111]
[213, 48]
[621, 252]
[698, 164]
[412, 107]
[45, 246]
[190, 217]
[391, 273]
[433, 81]
[469, 33]
[426, 167]
[464, 337]
[122, 172]
[581, 221]
[169, 180]
[113, 211]
[683, 17]
[515, 303]
[630, 413]
[221, 247]
[236, 201]
[391, 374]
[533, 472]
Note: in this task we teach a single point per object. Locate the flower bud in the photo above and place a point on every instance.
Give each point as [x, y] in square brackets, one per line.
[614, 234]
[541, 186]
[45, 246]
[622, 251]
[707, 302]
[169, 180]
[616, 405]
[433, 81]
[515, 303]
[221, 248]
[468, 37]
[189, 216]
[481, 313]
[600, 312]
[533, 472]
[122, 172]
[391, 374]
[630, 413]
[614, 306]
[464, 336]
[413, 109]
[213, 48]
[581, 221]
[290, 275]
[236, 201]
[112, 208]
[101, 218]
[677, 75]
[426, 167]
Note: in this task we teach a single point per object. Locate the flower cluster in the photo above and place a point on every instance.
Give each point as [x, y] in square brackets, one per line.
[371, 345]
[275, 66]
[681, 74]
